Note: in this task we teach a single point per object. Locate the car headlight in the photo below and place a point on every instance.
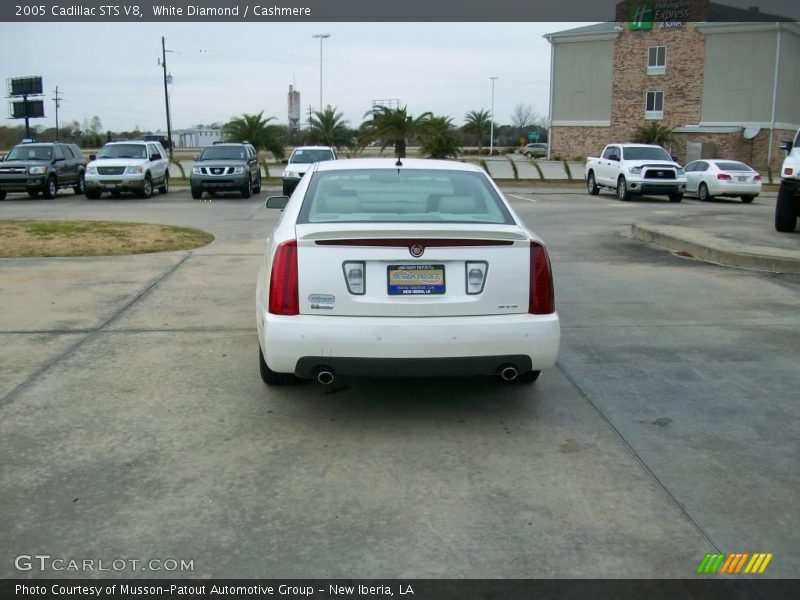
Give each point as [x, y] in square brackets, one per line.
[197, 171]
[681, 172]
[291, 174]
[134, 170]
[37, 170]
[238, 170]
[635, 170]
[91, 170]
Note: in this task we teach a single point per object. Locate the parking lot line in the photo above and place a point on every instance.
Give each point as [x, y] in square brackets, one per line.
[521, 197]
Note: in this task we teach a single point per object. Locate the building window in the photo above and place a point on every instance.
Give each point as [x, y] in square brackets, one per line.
[656, 60]
[654, 105]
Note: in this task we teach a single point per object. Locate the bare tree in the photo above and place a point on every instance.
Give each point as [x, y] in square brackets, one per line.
[523, 116]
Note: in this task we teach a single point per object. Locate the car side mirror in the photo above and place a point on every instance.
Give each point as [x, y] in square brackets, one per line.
[277, 202]
[285, 161]
[786, 145]
[196, 157]
[93, 157]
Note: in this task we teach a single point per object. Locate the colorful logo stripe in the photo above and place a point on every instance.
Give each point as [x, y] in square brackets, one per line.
[733, 562]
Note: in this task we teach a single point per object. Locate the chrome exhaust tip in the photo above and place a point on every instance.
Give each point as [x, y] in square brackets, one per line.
[325, 376]
[508, 372]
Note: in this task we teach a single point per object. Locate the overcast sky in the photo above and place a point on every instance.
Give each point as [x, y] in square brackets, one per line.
[226, 69]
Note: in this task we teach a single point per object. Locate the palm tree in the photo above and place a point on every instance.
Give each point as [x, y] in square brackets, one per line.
[439, 138]
[478, 123]
[330, 128]
[390, 127]
[653, 133]
[256, 130]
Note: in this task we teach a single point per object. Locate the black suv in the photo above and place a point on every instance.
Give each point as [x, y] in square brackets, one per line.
[42, 167]
[226, 167]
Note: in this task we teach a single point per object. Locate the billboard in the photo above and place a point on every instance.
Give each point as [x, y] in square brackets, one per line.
[25, 86]
[35, 109]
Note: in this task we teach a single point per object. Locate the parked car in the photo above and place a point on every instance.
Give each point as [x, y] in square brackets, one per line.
[42, 168]
[226, 167]
[719, 177]
[299, 162]
[635, 169]
[402, 268]
[536, 150]
[787, 207]
[133, 166]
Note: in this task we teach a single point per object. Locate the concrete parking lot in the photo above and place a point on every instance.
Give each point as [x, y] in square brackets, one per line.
[134, 424]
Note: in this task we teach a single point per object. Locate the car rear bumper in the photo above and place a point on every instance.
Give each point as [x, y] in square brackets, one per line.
[393, 346]
[736, 189]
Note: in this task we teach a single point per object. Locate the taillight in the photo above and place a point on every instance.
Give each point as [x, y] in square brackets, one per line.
[757, 178]
[788, 171]
[541, 297]
[283, 295]
[723, 176]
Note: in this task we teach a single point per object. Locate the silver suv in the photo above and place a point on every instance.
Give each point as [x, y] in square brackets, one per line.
[133, 166]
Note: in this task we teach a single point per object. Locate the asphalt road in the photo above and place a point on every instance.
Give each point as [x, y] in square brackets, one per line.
[134, 424]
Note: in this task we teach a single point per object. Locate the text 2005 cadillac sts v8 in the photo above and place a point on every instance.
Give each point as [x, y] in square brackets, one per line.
[401, 268]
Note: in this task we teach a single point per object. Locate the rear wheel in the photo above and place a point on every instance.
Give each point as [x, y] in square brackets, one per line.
[702, 193]
[50, 188]
[79, 187]
[164, 188]
[269, 376]
[591, 184]
[785, 213]
[675, 197]
[2, 195]
[257, 188]
[147, 188]
[528, 377]
[247, 190]
[748, 199]
[622, 189]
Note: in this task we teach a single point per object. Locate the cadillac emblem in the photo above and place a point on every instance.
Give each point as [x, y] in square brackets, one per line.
[416, 250]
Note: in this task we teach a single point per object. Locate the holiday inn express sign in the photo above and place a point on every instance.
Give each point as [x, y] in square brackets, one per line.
[668, 14]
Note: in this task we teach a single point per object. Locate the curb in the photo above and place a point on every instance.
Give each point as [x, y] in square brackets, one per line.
[717, 255]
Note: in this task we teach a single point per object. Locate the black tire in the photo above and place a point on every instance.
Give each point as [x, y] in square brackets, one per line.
[622, 189]
[50, 188]
[702, 193]
[257, 188]
[287, 191]
[748, 199]
[197, 194]
[785, 212]
[269, 376]
[2, 195]
[93, 194]
[591, 184]
[675, 197]
[528, 377]
[33, 193]
[164, 188]
[247, 190]
[79, 188]
[147, 188]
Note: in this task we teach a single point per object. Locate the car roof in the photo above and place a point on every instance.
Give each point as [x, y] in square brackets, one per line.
[391, 163]
[313, 148]
[130, 142]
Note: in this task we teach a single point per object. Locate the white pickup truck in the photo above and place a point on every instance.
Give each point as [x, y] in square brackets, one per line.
[787, 208]
[634, 169]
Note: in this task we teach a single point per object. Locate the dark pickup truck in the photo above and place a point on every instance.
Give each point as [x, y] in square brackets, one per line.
[42, 167]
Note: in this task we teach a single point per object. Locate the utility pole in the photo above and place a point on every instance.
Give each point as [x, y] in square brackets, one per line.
[57, 100]
[166, 95]
[491, 124]
[321, 37]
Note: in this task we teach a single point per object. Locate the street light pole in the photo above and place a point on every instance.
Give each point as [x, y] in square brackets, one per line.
[321, 37]
[491, 123]
[166, 95]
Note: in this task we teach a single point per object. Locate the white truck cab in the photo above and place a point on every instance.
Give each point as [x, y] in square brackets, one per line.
[787, 208]
[635, 169]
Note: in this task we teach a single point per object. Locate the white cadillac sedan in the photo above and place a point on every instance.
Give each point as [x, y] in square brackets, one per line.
[716, 177]
[412, 267]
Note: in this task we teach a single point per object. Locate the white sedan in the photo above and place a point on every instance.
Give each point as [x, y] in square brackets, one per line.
[717, 177]
[413, 268]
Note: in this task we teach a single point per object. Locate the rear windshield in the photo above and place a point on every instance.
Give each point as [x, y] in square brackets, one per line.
[732, 166]
[223, 153]
[310, 156]
[30, 152]
[645, 154]
[123, 151]
[403, 196]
